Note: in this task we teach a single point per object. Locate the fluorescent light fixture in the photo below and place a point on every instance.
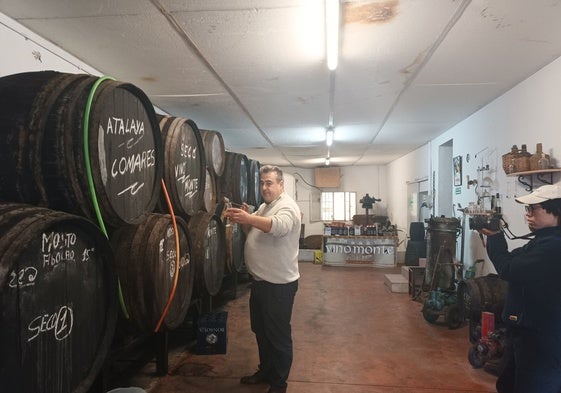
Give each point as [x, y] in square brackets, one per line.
[329, 136]
[327, 161]
[332, 32]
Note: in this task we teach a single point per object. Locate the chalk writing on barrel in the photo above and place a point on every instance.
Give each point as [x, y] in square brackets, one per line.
[86, 254]
[133, 188]
[170, 259]
[133, 163]
[60, 323]
[130, 143]
[120, 126]
[57, 247]
[54, 258]
[52, 241]
[190, 186]
[184, 261]
[188, 151]
[25, 277]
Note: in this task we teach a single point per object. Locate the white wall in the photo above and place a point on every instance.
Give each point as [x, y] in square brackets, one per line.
[24, 51]
[411, 167]
[527, 114]
[362, 180]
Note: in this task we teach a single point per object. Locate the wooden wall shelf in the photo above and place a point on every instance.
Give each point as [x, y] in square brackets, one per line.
[527, 177]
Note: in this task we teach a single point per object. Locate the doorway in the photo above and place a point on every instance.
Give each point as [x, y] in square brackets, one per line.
[444, 199]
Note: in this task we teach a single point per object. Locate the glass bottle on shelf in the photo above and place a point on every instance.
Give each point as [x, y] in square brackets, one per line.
[512, 165]
[539, 160]
[509, 160]
[543, 162]
[523, 160]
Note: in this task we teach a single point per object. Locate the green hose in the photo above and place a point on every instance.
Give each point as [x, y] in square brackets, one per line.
[90, 177]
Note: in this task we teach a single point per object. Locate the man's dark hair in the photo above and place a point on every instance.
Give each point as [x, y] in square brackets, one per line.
[271, 168]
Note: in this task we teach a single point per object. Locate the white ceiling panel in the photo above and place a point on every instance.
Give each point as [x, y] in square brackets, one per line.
[255, 70]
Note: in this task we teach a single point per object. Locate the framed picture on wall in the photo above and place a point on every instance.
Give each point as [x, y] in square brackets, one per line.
[457, 170]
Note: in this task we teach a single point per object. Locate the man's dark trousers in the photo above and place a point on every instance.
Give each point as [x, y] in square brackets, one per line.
[270, 312]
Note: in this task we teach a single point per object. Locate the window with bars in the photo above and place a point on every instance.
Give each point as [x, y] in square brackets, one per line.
[338, 206]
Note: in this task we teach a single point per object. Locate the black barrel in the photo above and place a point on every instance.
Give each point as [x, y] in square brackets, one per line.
[233, 182]
[184, 165]
[414, 251]
[214, 151]
[208, 251]
[417, 231]
[485, 293]
[44, 161]
[58, 300]
[253, 188]
[441, 251]
[146, 266]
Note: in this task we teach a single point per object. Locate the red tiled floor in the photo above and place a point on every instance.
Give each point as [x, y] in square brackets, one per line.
[351, 335]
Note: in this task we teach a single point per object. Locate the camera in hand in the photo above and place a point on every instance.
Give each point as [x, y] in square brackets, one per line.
[488, 221]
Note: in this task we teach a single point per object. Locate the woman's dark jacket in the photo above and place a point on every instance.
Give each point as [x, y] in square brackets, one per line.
[533, 273]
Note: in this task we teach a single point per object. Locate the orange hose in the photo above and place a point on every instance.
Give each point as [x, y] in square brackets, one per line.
[176, 278]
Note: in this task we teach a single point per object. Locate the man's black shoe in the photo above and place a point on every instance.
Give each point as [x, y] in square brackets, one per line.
[255, 379]
[273, 389]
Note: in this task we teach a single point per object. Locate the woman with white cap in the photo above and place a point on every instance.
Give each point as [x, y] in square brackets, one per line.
[532, 310]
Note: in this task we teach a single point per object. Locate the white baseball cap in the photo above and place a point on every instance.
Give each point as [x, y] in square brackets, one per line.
[541, 194]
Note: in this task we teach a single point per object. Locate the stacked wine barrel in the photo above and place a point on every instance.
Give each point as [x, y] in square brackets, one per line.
[88, 227]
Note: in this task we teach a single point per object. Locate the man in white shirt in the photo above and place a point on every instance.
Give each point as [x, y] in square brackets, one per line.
[271, 257]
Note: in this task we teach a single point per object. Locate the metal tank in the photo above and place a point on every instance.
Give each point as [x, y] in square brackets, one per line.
[442, 233]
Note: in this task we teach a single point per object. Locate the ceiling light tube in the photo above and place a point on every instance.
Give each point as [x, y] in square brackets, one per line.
[332, 32]
[329, 137]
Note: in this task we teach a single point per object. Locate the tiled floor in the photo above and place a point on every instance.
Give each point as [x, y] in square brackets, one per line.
[351, 335]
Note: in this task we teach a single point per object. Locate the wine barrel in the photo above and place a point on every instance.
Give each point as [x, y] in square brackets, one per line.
[45, 163]
[253, 187]
[210, 194]
[214, 151]
[146, 266]
[233, 182]
[485, 293]
[235, 241]
[184, 165]
[58, 300]
[208, 252]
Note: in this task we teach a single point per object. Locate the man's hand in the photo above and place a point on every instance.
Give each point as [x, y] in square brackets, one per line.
[238, 215]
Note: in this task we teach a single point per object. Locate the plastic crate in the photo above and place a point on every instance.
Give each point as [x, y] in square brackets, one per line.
[212, 334]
